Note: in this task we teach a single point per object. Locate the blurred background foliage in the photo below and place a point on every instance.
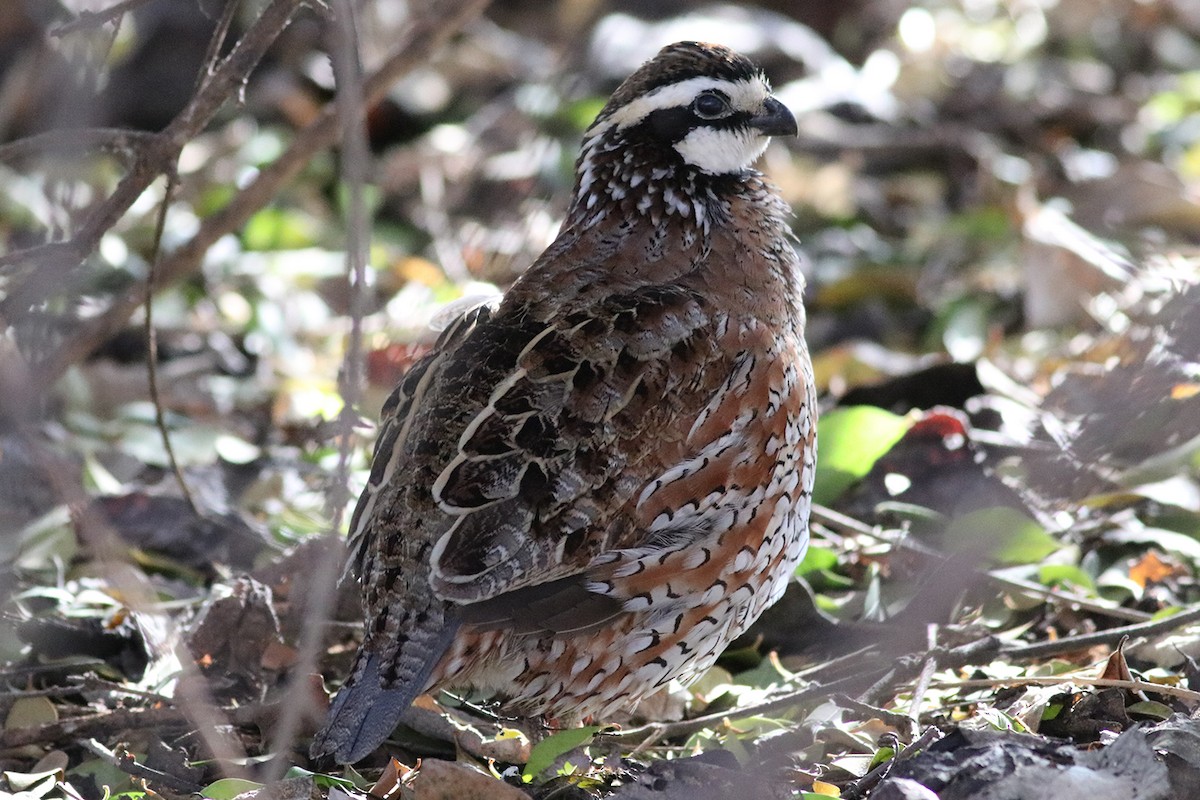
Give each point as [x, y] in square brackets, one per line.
[999, 205]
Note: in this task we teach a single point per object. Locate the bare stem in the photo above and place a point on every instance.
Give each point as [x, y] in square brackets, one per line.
[424, 36]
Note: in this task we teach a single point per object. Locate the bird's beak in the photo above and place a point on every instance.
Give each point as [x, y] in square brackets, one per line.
[775, 119]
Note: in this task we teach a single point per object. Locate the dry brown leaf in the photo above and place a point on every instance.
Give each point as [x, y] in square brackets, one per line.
[444, 780]
[1152, 569]
[394, 775]
[1117, 669]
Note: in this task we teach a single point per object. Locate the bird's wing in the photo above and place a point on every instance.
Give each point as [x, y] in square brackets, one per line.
[396, 419]
[544, 471]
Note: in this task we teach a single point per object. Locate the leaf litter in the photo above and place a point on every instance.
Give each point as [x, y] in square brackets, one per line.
[1002, 317]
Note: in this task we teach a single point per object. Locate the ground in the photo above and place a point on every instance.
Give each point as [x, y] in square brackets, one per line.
[999, 205]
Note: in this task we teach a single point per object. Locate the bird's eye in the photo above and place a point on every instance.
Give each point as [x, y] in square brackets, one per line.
[710, 105]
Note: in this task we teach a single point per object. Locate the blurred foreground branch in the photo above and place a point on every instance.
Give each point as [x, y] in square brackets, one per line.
[425, 34]
[155, 156]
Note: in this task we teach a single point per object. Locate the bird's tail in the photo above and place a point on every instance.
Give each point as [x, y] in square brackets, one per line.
[365, 712]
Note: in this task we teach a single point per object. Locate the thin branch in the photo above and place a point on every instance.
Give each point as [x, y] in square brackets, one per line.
[351, 105]
[118, 141]
[1050, 594]
[928, 667]
[647, 734]
[424, 37]
[126, 762]
[1108, 638]
[86, 683]
[94, 19]
[1056, 680]
[213, 52]
[162, 150]
[867, 782]
[206, 71]
[1055, 595]
[160, 418]
[907, 668]
[109, 723]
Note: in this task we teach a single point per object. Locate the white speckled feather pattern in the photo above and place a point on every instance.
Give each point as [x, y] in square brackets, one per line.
[589, 489]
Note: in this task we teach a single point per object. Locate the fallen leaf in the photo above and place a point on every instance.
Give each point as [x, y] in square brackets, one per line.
[444, 780]
[1152, 569]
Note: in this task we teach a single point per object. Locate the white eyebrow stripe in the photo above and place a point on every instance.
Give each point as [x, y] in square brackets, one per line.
[744, 95]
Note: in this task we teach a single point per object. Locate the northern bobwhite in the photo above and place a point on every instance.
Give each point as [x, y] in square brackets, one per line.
[592, 487]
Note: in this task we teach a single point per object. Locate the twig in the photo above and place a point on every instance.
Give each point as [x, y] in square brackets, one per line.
[1133, 686]
[206, 71]
[900, 722]
[832, 139]
[867, 782]
[906, 668]
[112, 140]
[160, 419]
[928, 667]
[1053, 595]
[1109, 637]
[427, 33]
[350, 103]
[126, 762]
[163, 149]
[882, 677]
[87, 683]
[355, 164]
[110, 722]
[660, 730]
[841, 521]
[94, 19]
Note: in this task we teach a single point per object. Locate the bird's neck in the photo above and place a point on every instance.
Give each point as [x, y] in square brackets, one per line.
[638, 183]
[689, 230]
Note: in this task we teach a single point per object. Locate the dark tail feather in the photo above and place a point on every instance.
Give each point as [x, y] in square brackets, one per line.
[364, 713]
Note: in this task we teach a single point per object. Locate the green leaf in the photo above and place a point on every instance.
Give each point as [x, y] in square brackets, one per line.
[882, 756]
[1068, 574]
[228, 788]
[850, 441]
[279, 229]
[1000, 721]
[214, 198]
[324, 780]
[817, 558]
[766, 674]
[46, 540]
[1170, 611]
[581, 113]
[547, 751]
[1005, 534]
[817, 569]
[1150, 708]
[1171, 541]
[115, 783]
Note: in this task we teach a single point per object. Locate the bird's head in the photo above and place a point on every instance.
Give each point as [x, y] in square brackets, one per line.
[693, 105]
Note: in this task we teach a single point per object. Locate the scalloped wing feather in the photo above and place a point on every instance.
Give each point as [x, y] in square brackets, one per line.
[532, 463]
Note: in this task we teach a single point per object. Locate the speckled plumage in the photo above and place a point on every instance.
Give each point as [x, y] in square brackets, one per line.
[591, 488]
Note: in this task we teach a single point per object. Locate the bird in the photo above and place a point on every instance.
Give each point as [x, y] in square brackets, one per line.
[589, 488]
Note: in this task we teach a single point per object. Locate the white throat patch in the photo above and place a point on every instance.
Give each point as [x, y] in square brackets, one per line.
[722, 151]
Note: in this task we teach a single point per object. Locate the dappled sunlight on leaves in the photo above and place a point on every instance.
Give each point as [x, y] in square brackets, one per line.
[999, 204]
